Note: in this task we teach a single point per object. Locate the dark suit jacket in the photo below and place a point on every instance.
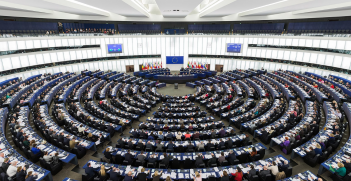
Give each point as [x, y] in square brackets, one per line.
[90, 171]
[252, 173]
[263, 174]
[129, 157]
[231, 158]
[21, 175]
[66, 141]
[114, 176]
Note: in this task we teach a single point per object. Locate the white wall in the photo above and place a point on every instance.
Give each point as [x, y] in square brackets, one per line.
[181, 45]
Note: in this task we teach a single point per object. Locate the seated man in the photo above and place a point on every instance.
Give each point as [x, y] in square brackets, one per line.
[90, 171]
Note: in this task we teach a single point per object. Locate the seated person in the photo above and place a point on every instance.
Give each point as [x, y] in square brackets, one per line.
[341, 171]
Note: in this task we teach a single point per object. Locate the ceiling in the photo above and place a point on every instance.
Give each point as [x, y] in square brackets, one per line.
[175, 10]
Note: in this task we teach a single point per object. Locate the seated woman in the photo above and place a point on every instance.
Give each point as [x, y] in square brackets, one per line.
[318, 149]
[285, 145]
[160, 135]
[190, 127]
[252, 154]
[341, 171]
[179, 136]
[187, 135]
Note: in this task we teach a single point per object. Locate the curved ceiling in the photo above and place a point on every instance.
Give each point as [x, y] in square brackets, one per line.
[175, 10]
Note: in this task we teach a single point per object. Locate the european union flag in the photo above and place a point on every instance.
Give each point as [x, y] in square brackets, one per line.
[174, 60]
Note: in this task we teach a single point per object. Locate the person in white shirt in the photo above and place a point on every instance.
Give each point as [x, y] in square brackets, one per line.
[2, 157]
[12, 170]
[274, 169]
[81, 129]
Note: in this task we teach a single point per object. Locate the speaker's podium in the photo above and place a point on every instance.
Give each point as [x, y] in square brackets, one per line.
[175, 85]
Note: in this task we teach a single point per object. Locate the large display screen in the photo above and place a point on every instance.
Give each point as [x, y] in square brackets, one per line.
[114, 48]
[234, 47]
[174, 59]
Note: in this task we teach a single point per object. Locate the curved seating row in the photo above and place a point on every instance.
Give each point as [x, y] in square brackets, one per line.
[13, 155]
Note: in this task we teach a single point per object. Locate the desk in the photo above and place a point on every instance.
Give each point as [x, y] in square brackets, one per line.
[336, 95]
[237, 110]
[190, 84]
[247, 89]
[52, 124]
[302, 93]
[160, 85]
[286, 92]
[95, 75]
[181, 174]
[243, 74]
[307, 119]
[88, 129]
[176, 78]
[68, 179]
[121, 78]
[94, 89]
[24, 123]
[271, 89]
[86, 73]
[245, 150]
[68, 91]
[48, 97]
[319, 95]
[11, 102]
[257, 87]
[322, 134]
[7, 81]
[105, 76]
[177, 121]
[307, 175]
[14, 155]
[83, 88]
[104, 90]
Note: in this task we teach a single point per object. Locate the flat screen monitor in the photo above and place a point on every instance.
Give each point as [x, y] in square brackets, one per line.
[114, 48]
[234, 47]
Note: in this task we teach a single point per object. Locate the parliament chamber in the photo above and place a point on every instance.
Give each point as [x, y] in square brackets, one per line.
[150, 90]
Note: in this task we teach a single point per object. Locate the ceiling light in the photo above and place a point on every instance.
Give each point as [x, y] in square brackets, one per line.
[264, 6]
[141, 5]
[86, 5]
[210, 5]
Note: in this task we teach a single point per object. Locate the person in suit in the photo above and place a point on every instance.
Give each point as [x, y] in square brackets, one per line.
[66, 140]
[149, 146]
[90, 171]
[129, 176]
[220, 144]
[31, 177]
[251, 172]
[284, 167]
[199, 160]
[141, 157]
[142, 176]
[21, 173]
[5, 165]
[140, 144]
[152, 159]
[247, 140]
[209, 145]
[263, 173]
[110, 128]
[213, 160]
[129, 157]
[231, 157]
[190, 147]
[170, 146]
[229, 143]
[310, 152]
[115, 174]
[201, 145]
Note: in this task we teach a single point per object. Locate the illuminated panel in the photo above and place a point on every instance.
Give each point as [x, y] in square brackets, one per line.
[332, 44]
[295, 42]
[287, 55]
[32, 60]
[44, 43]
[346, 62]
[348, 45]
[282, 41]
[302, 42]
[37, 44]
[40, 59]
[60, 57]
[3, 46]
[309, 43]
[324, 44]
[299, 56]
[12, 45]
[321, 58]
[64, 42]
[47, 58]
[337, 61]
[306, 57]
[293, 56]
[340, 45]
[58, 42]
[316, 43]
[15, 62]
[51, 43]
[53, 57]
[288, 42]
[24, 61]
[313, 58]
[21, 45]
[329, 61]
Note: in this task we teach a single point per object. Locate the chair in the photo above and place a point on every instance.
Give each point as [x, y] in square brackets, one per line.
[87, 178]
[163, 166]
[55, 168]
[188, 163]
[224, 163]
[150, 165]
[288, 172]
[175, 164]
